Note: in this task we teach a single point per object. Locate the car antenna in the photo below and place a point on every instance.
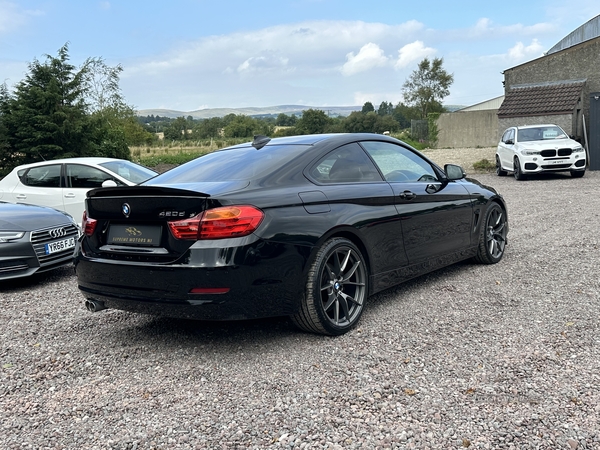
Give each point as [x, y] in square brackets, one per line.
[260, 141]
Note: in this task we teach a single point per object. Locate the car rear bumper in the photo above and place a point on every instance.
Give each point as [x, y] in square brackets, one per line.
[270, 283]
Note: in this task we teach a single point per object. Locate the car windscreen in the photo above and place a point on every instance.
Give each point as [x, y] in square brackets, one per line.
[234, 164]
[130, 171]
[540, 134]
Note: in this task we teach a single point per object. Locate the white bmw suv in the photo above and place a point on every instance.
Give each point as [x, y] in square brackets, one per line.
[539, 148]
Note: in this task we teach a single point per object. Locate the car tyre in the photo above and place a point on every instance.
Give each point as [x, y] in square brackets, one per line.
[336, 289]
[492, 236]
[517, 170]
[499, 171]
[577, 173]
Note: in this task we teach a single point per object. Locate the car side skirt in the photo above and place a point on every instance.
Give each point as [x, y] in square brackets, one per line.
[389, 279]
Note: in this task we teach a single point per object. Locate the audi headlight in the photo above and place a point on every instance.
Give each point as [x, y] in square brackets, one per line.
[9, 236]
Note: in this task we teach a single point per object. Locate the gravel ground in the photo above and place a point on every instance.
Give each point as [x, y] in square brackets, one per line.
[471, 356]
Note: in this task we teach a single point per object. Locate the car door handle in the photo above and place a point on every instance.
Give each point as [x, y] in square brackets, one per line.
[69, 195]
[21, 196]
[407, 195]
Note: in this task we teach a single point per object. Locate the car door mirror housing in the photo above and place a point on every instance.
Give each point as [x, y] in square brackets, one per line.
[454, 172]
[109, 183]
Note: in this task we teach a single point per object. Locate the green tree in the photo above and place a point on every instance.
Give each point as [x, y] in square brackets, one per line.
[208, 128]
[385, 109]
[283, 120]
[178, 130]
[59, 110]
[241, 126]
[427, 86]
[371, 122]
[313, 121]
[359, 122]
[367, 107]
[403, 114]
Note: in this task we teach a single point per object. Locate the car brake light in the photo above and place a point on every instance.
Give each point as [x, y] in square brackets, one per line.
[88, 224]
[219, 223]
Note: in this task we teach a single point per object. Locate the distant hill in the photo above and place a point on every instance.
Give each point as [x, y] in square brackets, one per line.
[332, 111]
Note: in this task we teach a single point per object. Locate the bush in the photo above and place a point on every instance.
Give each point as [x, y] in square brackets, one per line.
[485, 165]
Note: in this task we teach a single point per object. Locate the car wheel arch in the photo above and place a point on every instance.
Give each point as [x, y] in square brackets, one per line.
[349, 233]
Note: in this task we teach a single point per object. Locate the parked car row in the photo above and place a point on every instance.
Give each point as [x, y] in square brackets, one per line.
[42, 204]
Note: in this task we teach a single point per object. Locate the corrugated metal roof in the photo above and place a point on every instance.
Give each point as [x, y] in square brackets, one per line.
[541, 99]
[493, 103]
[587, 31]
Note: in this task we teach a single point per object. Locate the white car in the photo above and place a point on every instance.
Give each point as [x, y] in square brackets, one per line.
[63, 183]
[533, 149]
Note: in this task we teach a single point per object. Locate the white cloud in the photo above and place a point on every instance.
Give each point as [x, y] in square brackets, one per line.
[369, 56]
[412, 52]
[264, 63]
[521, 52]
[485, 28]
[314, 46]
[326, 62]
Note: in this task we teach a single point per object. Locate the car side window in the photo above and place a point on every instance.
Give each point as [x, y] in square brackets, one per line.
[42, 176]
[80, 176]
[398, 163]
[346, 164]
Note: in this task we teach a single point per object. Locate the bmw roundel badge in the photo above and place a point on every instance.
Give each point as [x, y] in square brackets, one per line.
[126, 209]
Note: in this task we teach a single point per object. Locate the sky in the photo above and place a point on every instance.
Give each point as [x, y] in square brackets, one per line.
[187, 55]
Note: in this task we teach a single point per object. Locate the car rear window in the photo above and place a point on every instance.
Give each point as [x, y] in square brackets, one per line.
[234, 164]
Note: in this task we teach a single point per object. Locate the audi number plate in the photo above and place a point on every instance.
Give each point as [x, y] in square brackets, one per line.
[59, 246]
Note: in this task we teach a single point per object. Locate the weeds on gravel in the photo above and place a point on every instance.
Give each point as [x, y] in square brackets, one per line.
[485, 165]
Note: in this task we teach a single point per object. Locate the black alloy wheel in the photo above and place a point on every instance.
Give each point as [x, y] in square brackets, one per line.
[492, 237]
[517, 170]
[499, 171]
[336, 289]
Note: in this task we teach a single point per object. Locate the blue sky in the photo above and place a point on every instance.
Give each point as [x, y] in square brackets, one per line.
[194, 54]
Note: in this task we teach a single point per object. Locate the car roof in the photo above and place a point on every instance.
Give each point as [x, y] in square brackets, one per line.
[93, 160]
[313, 139]
[523, 127]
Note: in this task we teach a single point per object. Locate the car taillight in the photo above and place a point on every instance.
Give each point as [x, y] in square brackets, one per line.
[219, 223]
[88, 224]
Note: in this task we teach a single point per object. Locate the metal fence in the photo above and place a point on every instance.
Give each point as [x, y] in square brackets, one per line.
[419, 129]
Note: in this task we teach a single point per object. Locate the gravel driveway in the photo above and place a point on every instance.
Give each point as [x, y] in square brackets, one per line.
[471, 356]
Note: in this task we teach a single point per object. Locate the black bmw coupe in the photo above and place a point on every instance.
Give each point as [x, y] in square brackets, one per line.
[304, 226]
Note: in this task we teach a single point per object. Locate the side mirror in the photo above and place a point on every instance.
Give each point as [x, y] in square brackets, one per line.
[454, 172]
[109, 183]
[509, 142]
